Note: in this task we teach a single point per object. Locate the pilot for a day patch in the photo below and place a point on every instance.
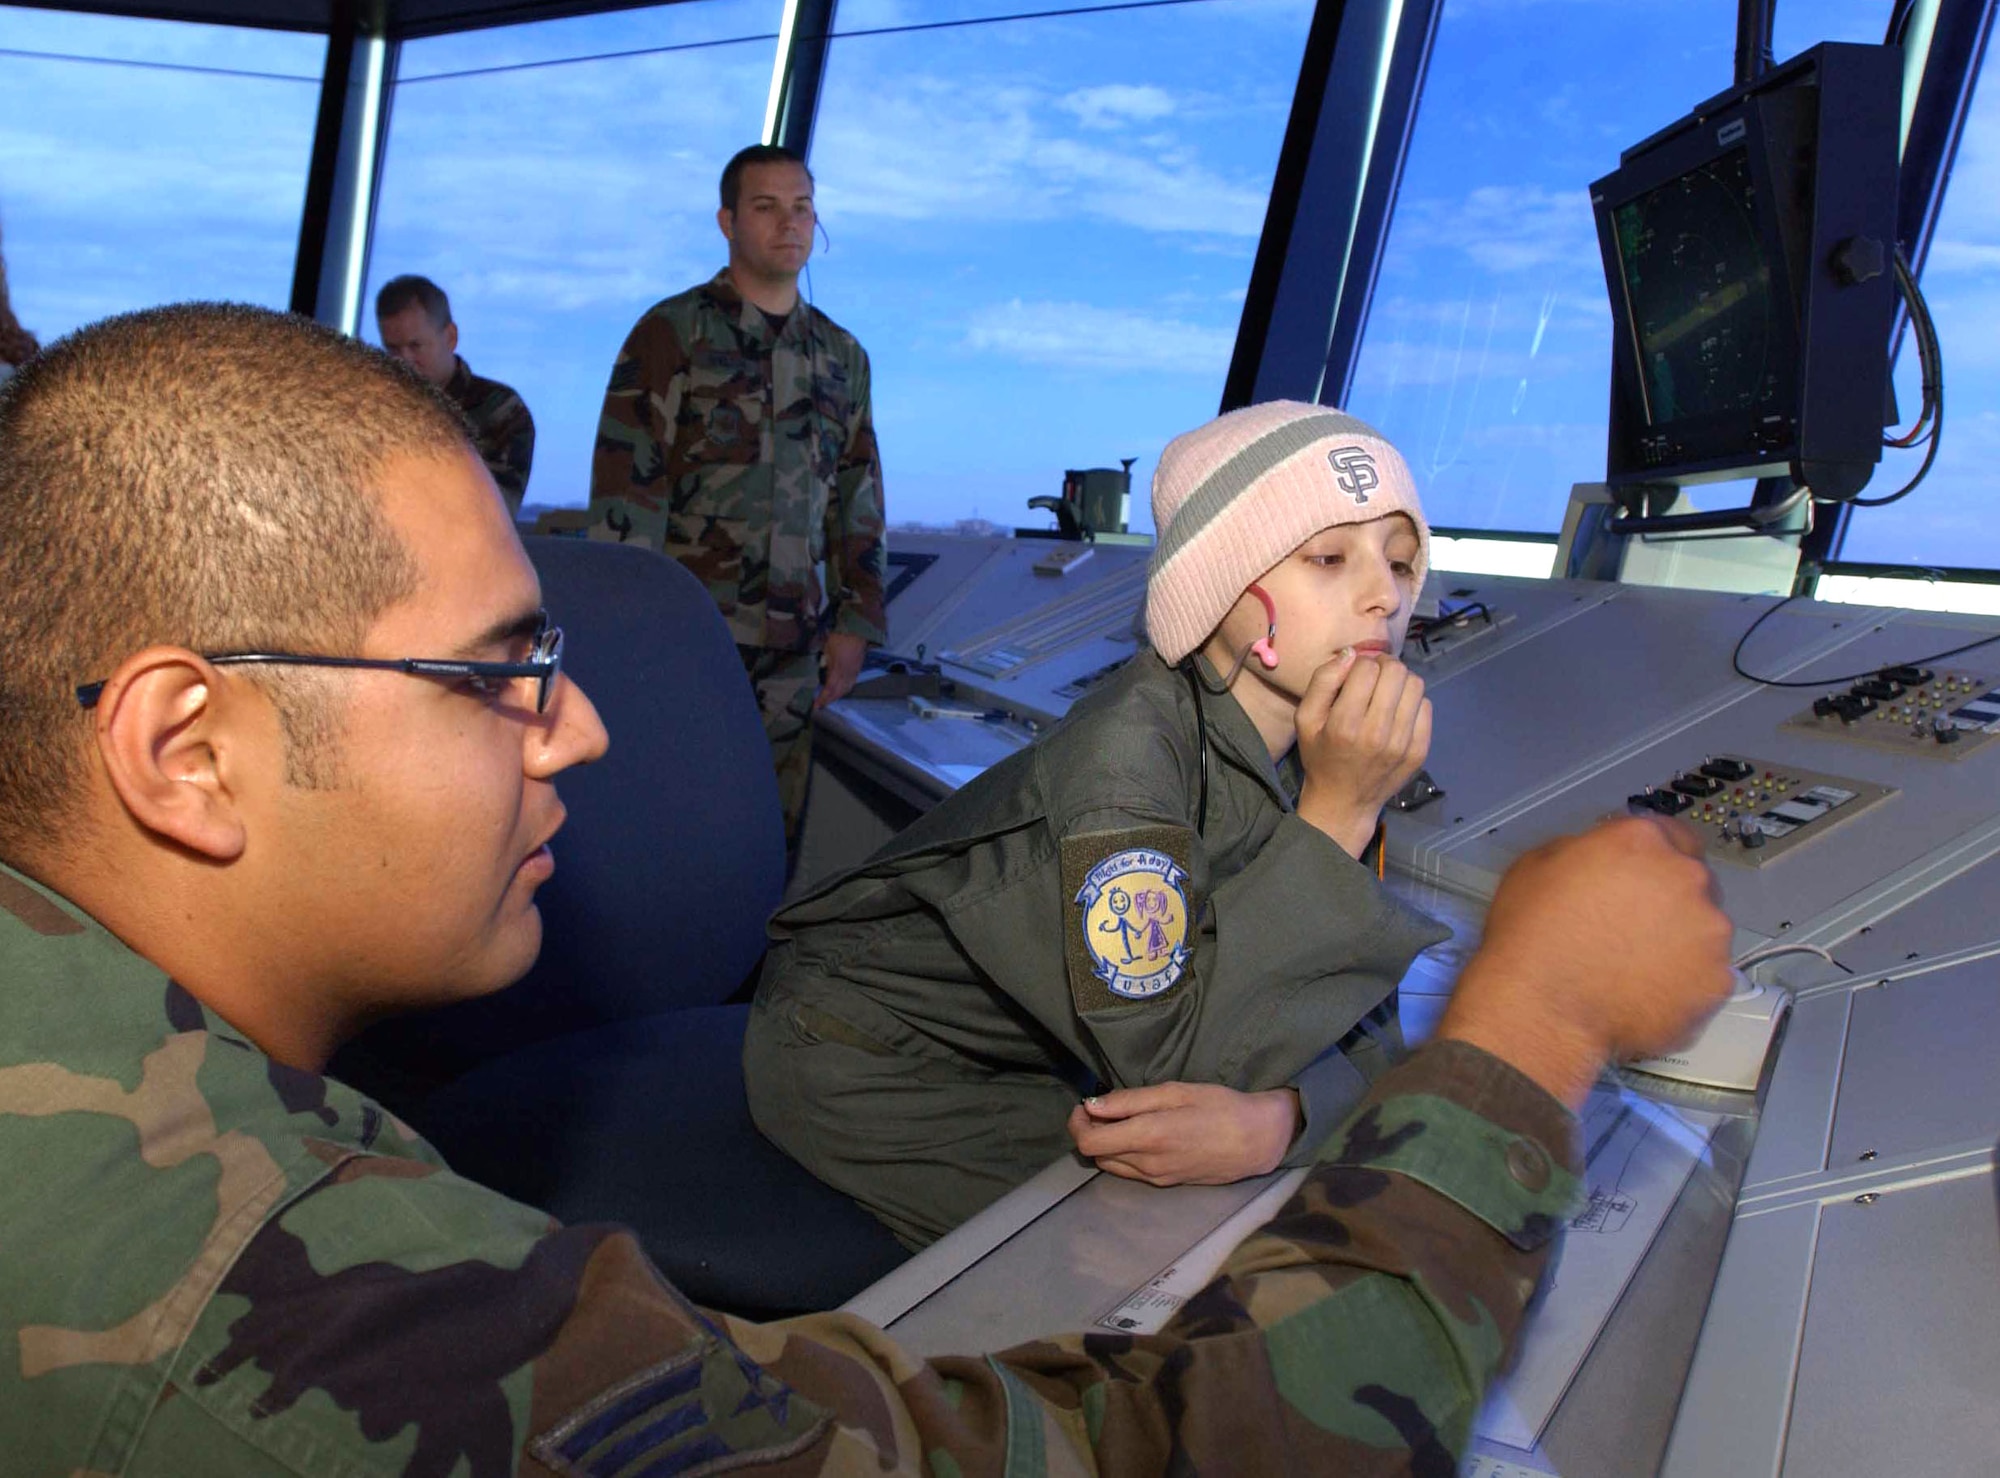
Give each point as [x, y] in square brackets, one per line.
[1126, 914]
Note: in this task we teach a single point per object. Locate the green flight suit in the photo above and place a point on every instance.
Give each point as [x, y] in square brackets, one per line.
[213, 1264]
[926, 1022]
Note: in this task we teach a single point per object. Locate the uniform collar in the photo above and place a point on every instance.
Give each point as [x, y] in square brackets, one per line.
[750, 320]
[1232, 734]
[460, 382]
[118, 995]
[81, 997]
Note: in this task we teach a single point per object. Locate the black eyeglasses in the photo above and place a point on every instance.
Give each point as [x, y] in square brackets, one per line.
[544, 664]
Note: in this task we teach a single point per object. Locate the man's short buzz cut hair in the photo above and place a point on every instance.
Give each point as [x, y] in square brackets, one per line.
[732, 172]
[399, 292]
[200, 476]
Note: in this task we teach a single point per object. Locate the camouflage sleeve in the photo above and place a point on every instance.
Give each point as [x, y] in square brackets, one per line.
[1355, 1334]
[514, 451]
[1331, 1084]
[854, 522]
[629, 482]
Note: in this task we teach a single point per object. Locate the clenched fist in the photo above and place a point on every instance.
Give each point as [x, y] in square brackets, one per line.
[1605, 946]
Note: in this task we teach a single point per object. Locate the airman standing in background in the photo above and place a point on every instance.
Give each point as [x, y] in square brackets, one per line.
[738, 437]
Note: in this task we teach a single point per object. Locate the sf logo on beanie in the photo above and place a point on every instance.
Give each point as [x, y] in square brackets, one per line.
[1354, 470]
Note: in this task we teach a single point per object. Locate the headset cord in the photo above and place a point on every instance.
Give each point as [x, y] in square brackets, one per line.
[1195, 684]
[1191, 665]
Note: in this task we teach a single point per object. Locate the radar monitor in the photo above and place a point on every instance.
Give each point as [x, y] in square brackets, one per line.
[1698, 282]
[1748, 251]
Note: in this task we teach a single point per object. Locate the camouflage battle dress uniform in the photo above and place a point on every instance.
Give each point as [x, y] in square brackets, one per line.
[745, 448]
[502, 429]
[211, 1264]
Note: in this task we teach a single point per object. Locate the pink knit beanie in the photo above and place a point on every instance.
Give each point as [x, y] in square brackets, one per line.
[1232, 498]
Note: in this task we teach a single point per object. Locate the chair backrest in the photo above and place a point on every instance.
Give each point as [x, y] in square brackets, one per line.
[674, 852]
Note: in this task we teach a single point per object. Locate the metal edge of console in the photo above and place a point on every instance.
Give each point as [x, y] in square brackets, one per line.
[890, 1298]
[1797, 1123]
[1736, 1409]
[880, 763]
[1883, 897]
[1506, 637]
[1736, 1402]
[1907, 1171]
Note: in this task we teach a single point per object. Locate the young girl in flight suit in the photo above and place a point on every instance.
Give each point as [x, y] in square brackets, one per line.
[1151, 936]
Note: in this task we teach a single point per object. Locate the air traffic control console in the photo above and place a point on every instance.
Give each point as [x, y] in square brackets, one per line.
[1802, 1279]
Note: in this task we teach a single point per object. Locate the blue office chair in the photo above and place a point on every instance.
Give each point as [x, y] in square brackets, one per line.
[608, 1085]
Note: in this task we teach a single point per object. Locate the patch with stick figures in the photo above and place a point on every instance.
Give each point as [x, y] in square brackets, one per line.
[1126, 914]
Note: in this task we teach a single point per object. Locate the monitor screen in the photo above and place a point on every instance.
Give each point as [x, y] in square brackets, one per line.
[1700, 293]
[1749, 338]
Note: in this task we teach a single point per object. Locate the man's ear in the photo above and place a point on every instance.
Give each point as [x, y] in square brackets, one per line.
[725, 220]
[451, 338]
[175, 753]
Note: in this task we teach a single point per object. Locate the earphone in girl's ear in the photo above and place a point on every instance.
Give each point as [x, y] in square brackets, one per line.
[1265, 648]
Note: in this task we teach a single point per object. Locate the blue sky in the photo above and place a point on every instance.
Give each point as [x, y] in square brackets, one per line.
[127, 185]
[1041, 228]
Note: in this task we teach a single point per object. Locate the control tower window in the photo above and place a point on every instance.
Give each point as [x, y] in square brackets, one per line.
[145, 161]
[556, 179]
[1042, 228]
[1487, 351]
[1949, 520]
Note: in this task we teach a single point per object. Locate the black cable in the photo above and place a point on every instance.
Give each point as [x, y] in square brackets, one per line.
[830, 611]
[1190, 670]
[1222, 691]
[126, 61]
[1736, 657]
[1899, 22]
[1019, 15]
[1931, 357]
[812, 369]
[1923, 471]
[565, 61]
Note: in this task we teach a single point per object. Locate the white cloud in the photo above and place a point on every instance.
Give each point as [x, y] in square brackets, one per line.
[1962, 256]
[1969, 231]
[122, 187]
[1081, 336]
[1118, 103]
[1516, 308]
[936, 148]
[594, 206]
[1517, 228]
[1505, 229]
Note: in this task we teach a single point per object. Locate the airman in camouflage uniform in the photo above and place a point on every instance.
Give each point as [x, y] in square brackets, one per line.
[216, 1261]
[221, 1265]
[414, 318]
[741, 442]
[502, 430]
